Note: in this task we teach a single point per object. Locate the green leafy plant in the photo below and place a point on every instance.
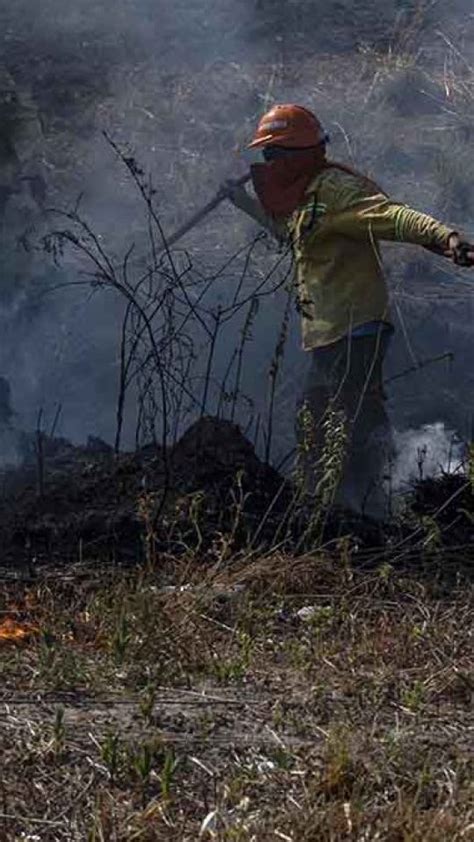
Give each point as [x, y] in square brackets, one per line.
[121, 638]
[414, 697]
[111, 754]
[147, 703]
[59, 730]
[167, 773]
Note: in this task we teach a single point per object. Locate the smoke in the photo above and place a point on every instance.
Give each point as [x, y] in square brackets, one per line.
[182, 84]
[428, 452]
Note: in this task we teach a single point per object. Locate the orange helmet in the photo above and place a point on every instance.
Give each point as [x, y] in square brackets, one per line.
[291, 126]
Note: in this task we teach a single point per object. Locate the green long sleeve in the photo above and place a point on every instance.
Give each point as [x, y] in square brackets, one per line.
[378, 218]
[335, 236]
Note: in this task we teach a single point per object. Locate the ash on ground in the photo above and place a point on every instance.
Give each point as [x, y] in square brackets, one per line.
[65, 503]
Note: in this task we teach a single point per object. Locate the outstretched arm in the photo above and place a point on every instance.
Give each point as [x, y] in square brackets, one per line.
[378, 218]
[352, 209]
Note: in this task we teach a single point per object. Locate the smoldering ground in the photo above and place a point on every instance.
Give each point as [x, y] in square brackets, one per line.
[182, 84]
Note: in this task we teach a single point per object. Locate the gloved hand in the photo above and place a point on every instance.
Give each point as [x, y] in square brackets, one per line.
[234, 191]
[461, 253]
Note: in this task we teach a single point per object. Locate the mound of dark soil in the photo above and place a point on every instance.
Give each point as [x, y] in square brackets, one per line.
[89, 503]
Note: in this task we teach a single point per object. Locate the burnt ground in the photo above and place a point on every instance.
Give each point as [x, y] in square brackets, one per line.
[89, 497]
[69, 503]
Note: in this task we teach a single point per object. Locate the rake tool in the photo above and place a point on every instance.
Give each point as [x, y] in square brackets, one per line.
[201, 214]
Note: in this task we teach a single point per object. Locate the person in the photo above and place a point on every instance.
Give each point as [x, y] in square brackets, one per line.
[334, 218]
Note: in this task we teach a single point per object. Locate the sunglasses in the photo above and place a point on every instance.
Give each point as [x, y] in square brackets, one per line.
[267, 154]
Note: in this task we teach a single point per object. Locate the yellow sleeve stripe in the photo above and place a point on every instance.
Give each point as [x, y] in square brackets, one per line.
[400, 224]
[319, 207]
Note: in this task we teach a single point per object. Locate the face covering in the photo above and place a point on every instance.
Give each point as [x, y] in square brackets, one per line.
[281, 184]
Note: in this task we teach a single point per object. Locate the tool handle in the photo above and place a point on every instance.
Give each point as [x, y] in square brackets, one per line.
[201, 214]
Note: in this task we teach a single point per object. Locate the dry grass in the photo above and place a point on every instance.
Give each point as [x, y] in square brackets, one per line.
[161, 704]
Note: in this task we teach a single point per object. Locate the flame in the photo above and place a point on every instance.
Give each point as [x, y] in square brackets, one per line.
[11, 630]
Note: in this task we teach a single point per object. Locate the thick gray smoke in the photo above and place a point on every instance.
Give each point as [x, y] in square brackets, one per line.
[182, 84]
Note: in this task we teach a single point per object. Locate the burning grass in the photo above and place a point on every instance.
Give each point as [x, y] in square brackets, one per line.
[10, 630]
[285, 698]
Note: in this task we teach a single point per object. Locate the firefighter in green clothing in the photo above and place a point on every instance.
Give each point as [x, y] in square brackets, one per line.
[333, 217]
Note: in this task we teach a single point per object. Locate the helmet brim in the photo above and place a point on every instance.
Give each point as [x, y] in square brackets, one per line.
[266, 140]
[288, 141]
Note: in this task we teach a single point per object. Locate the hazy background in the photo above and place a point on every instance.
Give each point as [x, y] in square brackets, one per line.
[182, 85]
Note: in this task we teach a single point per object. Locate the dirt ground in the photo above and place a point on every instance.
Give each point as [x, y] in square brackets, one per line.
[274, 698]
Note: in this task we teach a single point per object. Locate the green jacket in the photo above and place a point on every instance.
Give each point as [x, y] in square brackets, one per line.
[335, 237]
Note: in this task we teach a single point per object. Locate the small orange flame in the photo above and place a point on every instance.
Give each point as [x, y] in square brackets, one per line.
[11, 630]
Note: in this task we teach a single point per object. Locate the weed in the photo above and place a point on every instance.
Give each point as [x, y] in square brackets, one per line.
[322, 457]
[167, 773]
[385, 572]
[283, 758]
[142, 763]
[433, 537]
[339, 771]
[147, 703]
[59, 730]
[235, 668]
[121, 639]
[196, 504]
[147, 508]
[111, 754]
[414, 697]
[47, 652]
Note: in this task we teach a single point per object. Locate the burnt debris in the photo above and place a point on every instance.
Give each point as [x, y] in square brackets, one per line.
[209, 488]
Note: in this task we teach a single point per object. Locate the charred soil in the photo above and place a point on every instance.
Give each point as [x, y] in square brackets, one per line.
[210, 487]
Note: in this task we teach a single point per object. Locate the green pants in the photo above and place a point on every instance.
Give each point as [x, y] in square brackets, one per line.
[344, 388]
